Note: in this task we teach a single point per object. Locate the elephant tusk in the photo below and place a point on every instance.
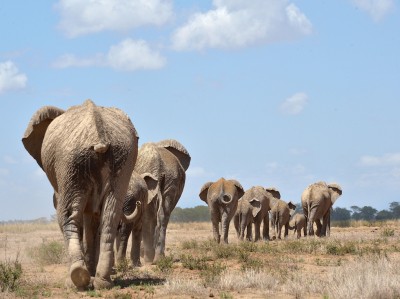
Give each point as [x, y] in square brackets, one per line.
[134, 216]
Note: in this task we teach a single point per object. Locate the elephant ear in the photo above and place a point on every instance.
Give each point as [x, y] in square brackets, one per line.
[291, 206]
[204, 191]
[239, 188]
[256, 204]
[337, 189]
[275, 192]
[178, 150]
[34, 133]
[152, 186]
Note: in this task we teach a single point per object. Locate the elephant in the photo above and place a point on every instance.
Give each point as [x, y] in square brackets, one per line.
[88, 153]
[222, 199]
[297, 223]
[280, 216]
[136, 198]
[166, 161]
[253, 207]
[317, 200]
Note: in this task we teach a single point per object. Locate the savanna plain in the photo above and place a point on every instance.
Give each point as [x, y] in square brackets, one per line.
[359, 260]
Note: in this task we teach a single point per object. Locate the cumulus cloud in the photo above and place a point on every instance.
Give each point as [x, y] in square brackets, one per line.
[129, 55]
[377, 9]
[241, 23]
[294, 104]
[391, 159]
[10, 77]
[80, 17]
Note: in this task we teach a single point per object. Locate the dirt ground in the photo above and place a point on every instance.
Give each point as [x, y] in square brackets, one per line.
[280, 265]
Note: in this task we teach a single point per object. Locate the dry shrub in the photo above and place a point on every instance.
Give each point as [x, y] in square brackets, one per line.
[365, 278]
[177, 286]
[49, 253]
[237, 281]
[27, 227]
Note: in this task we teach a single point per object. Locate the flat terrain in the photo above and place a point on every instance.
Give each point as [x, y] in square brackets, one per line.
[360, 261]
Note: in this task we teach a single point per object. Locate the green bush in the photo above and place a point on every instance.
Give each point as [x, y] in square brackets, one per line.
[164, 264]
[10, 273]
[193, 263]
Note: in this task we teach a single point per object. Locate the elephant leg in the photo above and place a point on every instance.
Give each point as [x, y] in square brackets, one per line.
[135, 250]
[148, 228]
[160, 242]
[266, 228]
[111, 211]
[286, 230]
[249, 235]
[70, 217]
[325, 220]
[257, 230]
[123, 238]
[90, 233]
[319, 227]
[310, 223]
[236, 223]
[225, 220]
[279, 230]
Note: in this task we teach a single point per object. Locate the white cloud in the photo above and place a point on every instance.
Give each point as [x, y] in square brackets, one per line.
[129, 55]
[390, 159]
[9, 160]
[10, 77]
[4, 172]
[196, 172]
[79, 17]
[241, 23]
[294, 104]
[377, 9]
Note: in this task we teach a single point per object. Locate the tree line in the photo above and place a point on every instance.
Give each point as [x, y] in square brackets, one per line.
[201, 213]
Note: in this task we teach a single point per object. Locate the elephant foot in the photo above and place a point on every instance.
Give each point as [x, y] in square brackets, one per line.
[273, 238]
[79, 274]
[101, 283]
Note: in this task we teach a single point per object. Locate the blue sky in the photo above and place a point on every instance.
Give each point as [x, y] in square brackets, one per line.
[268, 92]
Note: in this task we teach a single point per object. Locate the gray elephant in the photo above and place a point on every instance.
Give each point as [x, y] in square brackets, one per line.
[253, 207]
[222, 199]
[166, 161]
[280, 216]
[136, 198]
[297, 223]
[88, 154]
[317, 200]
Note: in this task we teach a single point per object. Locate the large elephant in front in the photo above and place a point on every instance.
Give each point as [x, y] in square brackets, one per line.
[222, 198]
[166, 161]
[253, 207]
[280, 216]
[88, 154]
[317, 200]
[136, 198]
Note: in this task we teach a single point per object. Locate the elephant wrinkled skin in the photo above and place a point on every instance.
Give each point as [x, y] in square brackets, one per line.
[136, 198]
[280, 216]
[317, 200]
[222, 199]
[253, 207]
[88, 154]
[166, 161]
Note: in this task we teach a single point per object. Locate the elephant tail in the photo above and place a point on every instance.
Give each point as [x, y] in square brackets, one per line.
[101, 148]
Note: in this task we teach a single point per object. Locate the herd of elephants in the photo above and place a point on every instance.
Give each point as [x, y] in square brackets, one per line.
[106, 188]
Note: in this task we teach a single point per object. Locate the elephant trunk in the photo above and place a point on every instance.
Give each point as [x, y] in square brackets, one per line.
[133, 216]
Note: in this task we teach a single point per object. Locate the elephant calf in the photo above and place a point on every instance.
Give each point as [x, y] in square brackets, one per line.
[280, 216]
[297, 223]
[253, 207]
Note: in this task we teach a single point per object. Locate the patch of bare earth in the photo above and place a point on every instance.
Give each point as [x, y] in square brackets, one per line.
[362, 261]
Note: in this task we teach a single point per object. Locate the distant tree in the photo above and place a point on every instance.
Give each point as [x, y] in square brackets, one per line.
[365, 213]
[196, 214]
[384, 215]
[395, 209]
[299, 208]
[340, 214]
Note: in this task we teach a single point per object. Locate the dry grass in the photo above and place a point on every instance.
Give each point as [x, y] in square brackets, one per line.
[355, 262]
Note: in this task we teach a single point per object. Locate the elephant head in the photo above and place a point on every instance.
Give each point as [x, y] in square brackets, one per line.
[88, 154]
[222, 198]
